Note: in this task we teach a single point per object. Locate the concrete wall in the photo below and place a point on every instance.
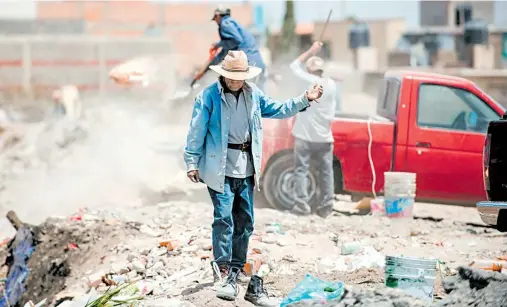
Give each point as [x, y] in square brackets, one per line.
[433, 13]
[383, 36]
[442, 12]
[37, 64]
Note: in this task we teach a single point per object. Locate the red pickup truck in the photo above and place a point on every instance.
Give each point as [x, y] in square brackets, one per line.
[429, 124]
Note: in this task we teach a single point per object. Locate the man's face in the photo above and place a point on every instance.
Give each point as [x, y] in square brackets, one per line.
[217, 18]
[234, 85]
[317, 72]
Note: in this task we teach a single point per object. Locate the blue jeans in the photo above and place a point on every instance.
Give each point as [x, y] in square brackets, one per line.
[233, 221]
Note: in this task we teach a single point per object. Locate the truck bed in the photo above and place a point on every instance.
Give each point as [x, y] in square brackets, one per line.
[350, 132]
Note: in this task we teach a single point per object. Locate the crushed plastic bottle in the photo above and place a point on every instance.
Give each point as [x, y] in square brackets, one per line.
[314, 289]
[274, 228]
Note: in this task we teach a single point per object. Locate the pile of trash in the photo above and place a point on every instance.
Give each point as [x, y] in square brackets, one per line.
[469, 287]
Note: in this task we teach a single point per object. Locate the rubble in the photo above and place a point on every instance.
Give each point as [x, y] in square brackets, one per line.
[114, 254]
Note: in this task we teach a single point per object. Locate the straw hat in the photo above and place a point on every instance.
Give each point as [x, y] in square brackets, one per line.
[315, 63]
[235, 67]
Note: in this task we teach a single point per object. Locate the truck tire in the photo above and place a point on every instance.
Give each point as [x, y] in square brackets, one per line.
[278, 183]
[338, 179]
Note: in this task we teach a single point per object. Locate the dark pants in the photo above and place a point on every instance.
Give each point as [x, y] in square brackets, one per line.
[233, 221]
[321, 155]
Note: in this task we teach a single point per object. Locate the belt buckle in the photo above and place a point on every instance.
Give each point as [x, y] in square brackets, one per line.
[243, 147]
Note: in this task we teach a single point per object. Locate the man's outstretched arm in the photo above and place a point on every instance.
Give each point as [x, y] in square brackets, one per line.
[271, 108]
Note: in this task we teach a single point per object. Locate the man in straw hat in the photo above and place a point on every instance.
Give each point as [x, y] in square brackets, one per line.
[313, 136]
[233, 36]
[223, 150]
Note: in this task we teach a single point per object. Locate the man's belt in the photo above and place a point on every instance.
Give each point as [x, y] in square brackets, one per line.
[242, 147]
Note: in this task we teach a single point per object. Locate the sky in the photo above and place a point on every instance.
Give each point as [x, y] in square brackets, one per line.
[309, 11]
[306, 11]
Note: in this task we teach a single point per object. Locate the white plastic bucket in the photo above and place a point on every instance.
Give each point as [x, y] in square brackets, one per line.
[415, 276]
[399, 193]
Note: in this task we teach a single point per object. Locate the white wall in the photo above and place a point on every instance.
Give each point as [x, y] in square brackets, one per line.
[18, 9]
[501, 13]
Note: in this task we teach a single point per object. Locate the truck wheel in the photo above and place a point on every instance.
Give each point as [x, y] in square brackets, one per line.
[279, 184]
[501, 222]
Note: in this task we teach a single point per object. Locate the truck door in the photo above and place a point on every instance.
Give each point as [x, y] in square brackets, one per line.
[448, 125]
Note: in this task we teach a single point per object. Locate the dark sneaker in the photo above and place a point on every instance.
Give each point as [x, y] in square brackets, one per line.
[324, 211]
[220, 272]
[257, 295]
[229, 289]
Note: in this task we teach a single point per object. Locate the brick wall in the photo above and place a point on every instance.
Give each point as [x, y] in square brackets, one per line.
[186, 25]
[139, 12]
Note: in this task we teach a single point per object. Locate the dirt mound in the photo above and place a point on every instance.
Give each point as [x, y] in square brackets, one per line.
[62, 247]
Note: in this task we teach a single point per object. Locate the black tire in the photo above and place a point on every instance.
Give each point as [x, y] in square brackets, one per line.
[278, 183]
[338, 179]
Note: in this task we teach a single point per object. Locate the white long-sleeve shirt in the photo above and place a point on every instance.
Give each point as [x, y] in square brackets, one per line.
[314, 124]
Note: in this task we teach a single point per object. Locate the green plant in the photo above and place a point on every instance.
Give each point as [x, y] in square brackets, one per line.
[108, 298]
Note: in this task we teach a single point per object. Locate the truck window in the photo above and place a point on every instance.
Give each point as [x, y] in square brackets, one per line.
[387, 105]
[445, 107]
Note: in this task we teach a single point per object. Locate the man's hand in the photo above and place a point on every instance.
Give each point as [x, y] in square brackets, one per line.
[193, 176]
[315, 92]
[316, 47]
[213, 46]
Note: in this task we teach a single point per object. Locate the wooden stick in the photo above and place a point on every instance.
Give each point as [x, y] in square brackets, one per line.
[321, 37]
[14, 219]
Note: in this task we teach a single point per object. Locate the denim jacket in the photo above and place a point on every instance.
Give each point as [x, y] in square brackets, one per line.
[206, 148]
[234, 36]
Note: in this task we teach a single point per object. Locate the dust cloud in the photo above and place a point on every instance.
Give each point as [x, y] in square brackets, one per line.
[131, 148]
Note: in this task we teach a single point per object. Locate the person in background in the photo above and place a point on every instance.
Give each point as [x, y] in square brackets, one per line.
[67, 103]
[313, 136]
[67, 111]
[224, 151]
[234, 36]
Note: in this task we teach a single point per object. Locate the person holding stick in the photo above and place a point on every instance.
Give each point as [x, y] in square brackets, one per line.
[313, 136]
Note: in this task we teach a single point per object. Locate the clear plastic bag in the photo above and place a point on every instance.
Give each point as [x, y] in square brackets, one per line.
[312, 288]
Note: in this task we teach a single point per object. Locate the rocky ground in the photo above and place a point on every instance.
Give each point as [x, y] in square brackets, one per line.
[121, 209]
[126, 243]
